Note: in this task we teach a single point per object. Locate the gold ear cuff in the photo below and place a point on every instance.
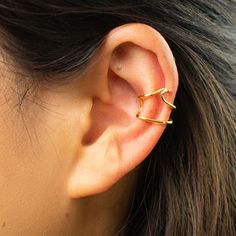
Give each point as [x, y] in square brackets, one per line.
[142, 98]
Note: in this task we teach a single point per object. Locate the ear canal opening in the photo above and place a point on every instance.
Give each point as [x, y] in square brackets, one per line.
[117, 112]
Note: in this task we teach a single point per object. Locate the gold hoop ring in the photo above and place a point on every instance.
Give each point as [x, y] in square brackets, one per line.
[142, 98]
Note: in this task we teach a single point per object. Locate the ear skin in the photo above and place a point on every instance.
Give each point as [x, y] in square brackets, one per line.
[118, 112]
[138, 60]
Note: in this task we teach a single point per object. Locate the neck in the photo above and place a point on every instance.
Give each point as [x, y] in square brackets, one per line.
[104, 213]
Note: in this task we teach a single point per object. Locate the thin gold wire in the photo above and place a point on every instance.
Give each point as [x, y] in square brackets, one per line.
[142, 98]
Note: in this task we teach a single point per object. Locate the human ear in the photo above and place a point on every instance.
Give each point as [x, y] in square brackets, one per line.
[134, 59]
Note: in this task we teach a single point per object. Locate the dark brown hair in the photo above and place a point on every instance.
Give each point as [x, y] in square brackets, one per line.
[187, 184]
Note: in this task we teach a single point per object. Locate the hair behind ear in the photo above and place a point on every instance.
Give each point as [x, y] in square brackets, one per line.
[186, 185]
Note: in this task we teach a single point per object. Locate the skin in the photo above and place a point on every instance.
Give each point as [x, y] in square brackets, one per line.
[70, 154]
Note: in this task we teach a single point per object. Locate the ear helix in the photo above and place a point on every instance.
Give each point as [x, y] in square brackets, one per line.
[142, 98]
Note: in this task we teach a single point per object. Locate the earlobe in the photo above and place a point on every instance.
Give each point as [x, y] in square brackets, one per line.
[138, 62]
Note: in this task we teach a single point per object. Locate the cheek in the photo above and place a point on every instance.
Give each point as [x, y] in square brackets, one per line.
[33, 200]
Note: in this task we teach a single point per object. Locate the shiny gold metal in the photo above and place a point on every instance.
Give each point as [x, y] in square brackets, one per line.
[142, 98]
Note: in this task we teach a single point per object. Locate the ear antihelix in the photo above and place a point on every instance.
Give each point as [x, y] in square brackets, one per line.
[142, 98]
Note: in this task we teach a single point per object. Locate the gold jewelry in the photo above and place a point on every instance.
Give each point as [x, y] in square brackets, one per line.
[142, 98]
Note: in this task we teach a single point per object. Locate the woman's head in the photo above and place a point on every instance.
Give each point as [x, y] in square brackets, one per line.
[75, 160]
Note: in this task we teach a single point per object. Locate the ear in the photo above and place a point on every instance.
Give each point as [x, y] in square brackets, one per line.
[134, 59]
